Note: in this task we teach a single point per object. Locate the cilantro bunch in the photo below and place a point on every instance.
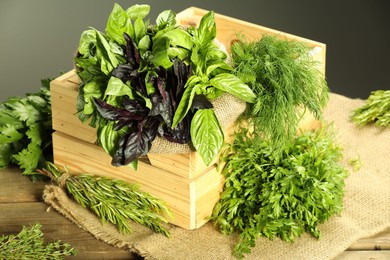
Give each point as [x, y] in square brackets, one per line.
[25, 131]
[279, 195]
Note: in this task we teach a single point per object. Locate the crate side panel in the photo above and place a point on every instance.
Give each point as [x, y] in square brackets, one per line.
[81, 157]
[64, 108]
[208, 189]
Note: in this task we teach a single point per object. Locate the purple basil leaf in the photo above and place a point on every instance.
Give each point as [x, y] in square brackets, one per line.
[113, 113]
[136, 144]
[181, 133]
[162, 107]
[125, 72]
[135, 106]
[131, 52]
[161, 88]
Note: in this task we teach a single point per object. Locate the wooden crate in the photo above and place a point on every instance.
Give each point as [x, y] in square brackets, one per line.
[182, 180]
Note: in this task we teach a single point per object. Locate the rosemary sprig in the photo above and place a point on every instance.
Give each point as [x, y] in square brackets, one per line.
[114, 201]
[375, 110]
[29, 244]
[284, 76]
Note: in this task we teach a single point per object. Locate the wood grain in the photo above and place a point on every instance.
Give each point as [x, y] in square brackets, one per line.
[21, 205]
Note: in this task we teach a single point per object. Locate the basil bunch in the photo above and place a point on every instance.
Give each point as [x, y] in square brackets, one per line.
[139, 81]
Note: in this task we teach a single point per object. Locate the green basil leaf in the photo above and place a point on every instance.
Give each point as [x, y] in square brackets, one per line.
[165, 19]
[160, 53]
[139, 29]
[116, 87]
[218, 66]
[207, 29]
[178, 52]
[118, 22]
[103, 50]
[144, 44]
[108, 138]
[234, 86]
[91, 89]
[186, 100]
[206, 134]
[179, 37]
[138, 11]
[149, 85]
[87, 42]
[214, 53]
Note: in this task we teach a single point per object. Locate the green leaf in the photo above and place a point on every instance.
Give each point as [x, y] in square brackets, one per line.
[139, 29]
[108, 137]
[117, 24]
[186, 100]
[91, 89]
[25, 111]
[9, 134]
[108, 61]
[149, 85]
[179, 53]
[160, 53]
[165, 19]
[115, 87]
[144, 44]
[87, 42]
[178, 37]
[138, 11]
[206, 135]
[207, 29]
[34, 134]
[28, 158]
[234, 86]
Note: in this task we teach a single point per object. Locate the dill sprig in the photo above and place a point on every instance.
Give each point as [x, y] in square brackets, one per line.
[285, 77]
[29, 244]
[376, 110]
[113, 200]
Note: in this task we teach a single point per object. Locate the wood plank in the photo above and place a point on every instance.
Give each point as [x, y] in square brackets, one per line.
[18, 188]
[364, 255]
[380, 241]
[55, 227]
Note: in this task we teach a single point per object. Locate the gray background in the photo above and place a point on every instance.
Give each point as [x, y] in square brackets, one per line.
[38, 37]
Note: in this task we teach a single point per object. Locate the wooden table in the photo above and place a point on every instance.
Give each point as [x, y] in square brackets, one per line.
[21, 204]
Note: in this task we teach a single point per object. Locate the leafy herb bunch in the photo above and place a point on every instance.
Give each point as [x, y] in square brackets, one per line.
[285, 78]
[279, 195]
[375, 110]
[25, 131]
[139, 81]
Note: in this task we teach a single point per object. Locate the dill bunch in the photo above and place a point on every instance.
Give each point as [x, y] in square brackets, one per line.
[284, 76]
[29, 244]
[376, 110]
[113, 200]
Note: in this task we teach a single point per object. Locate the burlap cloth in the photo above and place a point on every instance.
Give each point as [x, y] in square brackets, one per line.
[366, 207]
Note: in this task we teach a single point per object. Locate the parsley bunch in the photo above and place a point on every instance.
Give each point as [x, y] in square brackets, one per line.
[25, 130]
[279, 195]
